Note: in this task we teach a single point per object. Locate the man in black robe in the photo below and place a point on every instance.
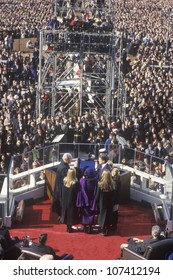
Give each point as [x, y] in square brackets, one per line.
[61, 173]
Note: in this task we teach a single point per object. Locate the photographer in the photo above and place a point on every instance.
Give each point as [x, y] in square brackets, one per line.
[41, 246]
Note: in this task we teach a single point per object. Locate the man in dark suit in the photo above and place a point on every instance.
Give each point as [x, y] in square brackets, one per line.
[61, 173]
[137, 245]
[103, 163]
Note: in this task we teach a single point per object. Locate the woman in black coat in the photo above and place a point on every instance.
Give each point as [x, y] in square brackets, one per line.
[105, 198]
[69, 213]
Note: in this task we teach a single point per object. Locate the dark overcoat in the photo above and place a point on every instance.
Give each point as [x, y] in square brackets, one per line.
[69, 212]
[106, 202]
[102, 169]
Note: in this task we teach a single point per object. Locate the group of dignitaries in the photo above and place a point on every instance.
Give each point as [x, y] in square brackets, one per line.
[87, 196]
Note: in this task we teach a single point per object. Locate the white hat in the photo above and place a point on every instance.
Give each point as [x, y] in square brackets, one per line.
[103, 150]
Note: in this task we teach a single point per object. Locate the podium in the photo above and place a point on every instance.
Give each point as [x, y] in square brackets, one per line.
[125, 177]
[50, 177]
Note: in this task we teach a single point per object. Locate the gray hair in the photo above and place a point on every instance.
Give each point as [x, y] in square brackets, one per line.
[67, 157]
[155, 231]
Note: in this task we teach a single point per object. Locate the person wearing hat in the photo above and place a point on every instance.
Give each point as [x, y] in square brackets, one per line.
[102, 151]
[86, 198]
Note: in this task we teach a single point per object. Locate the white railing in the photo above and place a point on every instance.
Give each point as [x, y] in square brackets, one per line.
[31, 183]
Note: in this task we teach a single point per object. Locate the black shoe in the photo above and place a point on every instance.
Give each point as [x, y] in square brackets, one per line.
[69, 229]
[88, 229]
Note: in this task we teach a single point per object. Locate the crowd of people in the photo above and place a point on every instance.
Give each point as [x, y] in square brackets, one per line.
[145, 52]
[87, 196]
[143, 26]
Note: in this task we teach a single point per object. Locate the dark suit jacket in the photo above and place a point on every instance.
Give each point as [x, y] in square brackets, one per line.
[105, 202]
[140, 247]
[105, 167]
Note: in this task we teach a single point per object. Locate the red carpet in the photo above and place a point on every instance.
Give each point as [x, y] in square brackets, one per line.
[134, 220]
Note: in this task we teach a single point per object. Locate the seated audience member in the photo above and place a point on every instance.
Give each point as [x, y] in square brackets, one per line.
[5, 238]
[138, 245]
[41, 246]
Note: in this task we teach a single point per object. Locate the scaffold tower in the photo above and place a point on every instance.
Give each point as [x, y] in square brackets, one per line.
[77, 67]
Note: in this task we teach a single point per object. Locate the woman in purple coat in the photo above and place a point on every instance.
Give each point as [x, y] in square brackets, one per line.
[86, 198]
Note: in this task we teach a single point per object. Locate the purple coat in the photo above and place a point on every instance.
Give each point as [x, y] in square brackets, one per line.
[86, 198]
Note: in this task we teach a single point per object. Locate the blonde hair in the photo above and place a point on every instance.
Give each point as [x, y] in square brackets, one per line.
[115, 173]
[71, 178]
[106, 183]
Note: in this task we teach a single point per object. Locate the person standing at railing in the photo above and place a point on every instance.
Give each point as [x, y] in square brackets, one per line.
[160, 151]
[61, 173]
[107, 144]
[114, 152]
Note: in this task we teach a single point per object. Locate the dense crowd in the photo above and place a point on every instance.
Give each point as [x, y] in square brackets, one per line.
[145, 30]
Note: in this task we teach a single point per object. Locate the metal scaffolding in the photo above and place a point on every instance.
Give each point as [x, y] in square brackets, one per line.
[78, 70]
